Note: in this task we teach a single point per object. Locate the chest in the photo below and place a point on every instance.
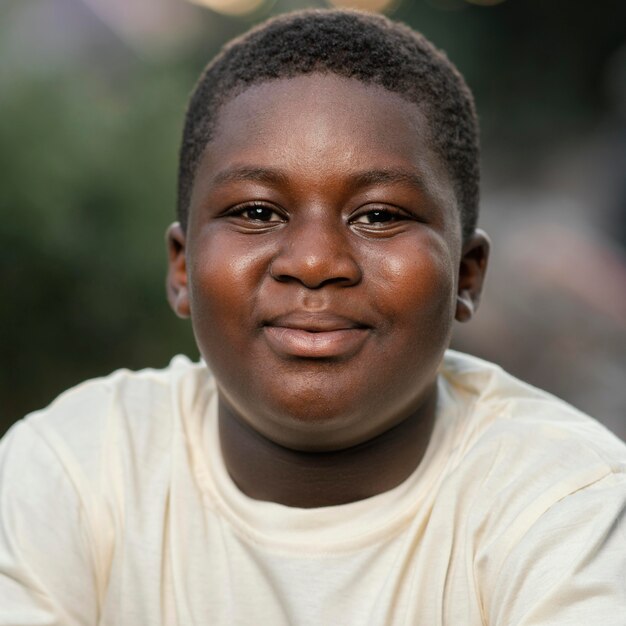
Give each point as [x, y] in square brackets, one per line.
[186, 564]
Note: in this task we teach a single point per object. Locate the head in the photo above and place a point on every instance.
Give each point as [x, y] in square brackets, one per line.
[369, 48]
[327, 225]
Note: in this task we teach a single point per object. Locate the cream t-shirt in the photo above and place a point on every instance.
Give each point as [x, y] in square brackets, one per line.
[116, 509]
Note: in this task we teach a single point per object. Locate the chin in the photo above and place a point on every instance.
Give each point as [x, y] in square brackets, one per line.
[313, 421]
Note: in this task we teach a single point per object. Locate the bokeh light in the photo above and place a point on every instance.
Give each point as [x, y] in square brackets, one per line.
[378, 6]
[231, 7]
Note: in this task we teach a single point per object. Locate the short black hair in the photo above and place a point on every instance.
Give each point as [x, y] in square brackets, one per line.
[351, 44]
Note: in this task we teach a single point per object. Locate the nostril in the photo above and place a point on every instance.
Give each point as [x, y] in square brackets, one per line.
[315, 271]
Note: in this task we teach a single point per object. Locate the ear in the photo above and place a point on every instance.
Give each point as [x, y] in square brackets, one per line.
[177, 290]
[472, 268]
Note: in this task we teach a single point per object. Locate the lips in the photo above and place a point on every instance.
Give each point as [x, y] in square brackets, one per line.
[315, 335]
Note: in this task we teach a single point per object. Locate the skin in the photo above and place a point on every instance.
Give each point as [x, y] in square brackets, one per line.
[322, 268]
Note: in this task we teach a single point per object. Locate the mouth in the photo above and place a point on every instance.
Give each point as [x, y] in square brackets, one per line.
[315, 335]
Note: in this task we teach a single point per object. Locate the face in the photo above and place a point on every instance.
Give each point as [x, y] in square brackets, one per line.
[323, 264]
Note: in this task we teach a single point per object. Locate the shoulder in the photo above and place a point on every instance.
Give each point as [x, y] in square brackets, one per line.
[519, 452]
[542, 488]
[75, 475]
[534, 427]
[101, 420]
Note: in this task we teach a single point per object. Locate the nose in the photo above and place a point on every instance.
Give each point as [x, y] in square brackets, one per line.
[316, 253]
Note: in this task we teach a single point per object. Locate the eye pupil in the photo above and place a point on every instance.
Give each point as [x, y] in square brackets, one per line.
[379, 216]
[259, 213]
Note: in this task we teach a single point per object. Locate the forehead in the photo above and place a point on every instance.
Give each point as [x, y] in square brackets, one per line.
[321, 127]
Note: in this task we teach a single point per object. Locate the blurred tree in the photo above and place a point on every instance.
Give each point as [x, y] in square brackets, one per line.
[88, 178]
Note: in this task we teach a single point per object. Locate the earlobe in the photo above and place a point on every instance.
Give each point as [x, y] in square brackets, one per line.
[472, 269]
[177, 288]
[464, 307]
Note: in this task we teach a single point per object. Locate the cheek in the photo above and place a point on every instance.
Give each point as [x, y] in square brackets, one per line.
[225, 275]
[418, 280]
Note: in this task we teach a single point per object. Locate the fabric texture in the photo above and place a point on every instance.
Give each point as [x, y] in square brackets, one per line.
[116, 509]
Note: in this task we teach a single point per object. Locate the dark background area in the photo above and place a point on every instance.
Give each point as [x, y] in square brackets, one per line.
[92, 95]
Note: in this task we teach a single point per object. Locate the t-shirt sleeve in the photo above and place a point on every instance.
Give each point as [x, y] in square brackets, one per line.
[46, 559]
[569, 568]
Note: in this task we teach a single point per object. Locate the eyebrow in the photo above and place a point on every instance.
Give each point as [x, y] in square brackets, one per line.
[252, 174]
[365, 178]
[390, 176]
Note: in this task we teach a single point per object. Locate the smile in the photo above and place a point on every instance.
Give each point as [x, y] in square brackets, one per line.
[315, 336]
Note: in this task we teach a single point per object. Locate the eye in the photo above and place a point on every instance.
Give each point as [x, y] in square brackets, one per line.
[377, 216]
[256, 213]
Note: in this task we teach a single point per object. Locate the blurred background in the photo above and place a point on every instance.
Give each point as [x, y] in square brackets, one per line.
[92, 95]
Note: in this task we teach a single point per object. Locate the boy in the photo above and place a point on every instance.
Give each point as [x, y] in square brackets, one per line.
[335, 467]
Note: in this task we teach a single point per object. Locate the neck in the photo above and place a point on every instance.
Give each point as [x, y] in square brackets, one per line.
[264, 470]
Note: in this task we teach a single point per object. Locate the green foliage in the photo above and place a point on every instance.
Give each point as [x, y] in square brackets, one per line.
[88, 188]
